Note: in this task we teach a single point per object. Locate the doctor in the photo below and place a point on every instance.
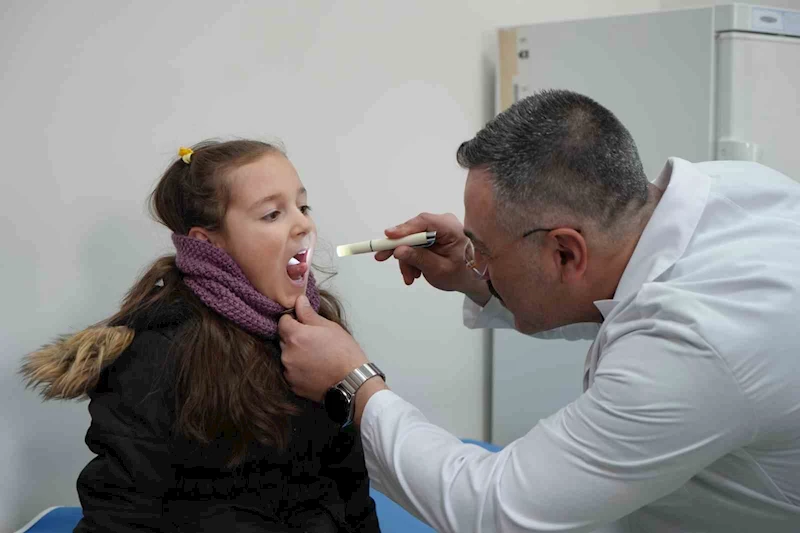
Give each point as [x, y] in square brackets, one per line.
[690, 288]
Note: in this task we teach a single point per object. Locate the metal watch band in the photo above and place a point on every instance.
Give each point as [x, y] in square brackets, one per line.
[357, 377]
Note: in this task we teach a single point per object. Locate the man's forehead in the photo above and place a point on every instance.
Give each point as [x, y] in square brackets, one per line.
[479, 206]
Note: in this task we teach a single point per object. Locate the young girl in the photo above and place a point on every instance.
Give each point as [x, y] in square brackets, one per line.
[193, 424]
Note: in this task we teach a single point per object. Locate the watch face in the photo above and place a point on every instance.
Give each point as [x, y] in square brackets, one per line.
[337, 404]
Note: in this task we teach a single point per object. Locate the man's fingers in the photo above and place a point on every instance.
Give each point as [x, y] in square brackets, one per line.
[420, 259]
[384, 255]
[305, 313]
[287, 325]
[448, 228]
[409, 272]
[415, 225]
[407, 279]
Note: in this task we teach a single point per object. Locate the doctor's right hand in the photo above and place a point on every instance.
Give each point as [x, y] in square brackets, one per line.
[442, 264]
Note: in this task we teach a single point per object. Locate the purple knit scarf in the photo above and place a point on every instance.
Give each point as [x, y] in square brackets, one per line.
[215, 278]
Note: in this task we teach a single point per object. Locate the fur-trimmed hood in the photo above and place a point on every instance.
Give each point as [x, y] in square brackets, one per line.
[70, 367]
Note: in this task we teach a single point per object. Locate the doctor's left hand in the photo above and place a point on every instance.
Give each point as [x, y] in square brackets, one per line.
[316, 353]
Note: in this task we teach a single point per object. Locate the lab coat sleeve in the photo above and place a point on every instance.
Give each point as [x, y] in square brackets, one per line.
[658, 412]
[495, 316]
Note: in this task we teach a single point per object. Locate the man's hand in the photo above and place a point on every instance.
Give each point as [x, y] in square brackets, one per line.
[443, 263]
[316, 353]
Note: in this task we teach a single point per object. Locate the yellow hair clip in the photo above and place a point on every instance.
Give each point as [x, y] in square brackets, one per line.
[185, 154]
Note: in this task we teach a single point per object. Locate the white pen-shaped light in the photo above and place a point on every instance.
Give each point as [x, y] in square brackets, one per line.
[425, 238]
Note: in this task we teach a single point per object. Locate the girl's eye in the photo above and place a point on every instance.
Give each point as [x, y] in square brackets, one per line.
[271, 216]
[306, 209]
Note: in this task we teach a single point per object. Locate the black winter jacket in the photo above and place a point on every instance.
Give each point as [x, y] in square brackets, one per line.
[145, 478]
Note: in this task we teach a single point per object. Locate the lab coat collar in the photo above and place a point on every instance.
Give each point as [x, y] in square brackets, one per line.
[667, 234]
[605, 306]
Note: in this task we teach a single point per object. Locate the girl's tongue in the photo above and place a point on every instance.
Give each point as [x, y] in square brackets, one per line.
[297, 267]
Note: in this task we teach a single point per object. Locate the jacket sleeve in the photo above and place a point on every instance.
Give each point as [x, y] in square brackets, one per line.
[343, 461]
[131, 435]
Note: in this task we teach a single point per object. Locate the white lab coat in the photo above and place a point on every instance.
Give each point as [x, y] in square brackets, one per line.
[690, 416]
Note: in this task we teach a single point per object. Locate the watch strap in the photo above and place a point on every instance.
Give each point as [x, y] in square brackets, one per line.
[353, 381]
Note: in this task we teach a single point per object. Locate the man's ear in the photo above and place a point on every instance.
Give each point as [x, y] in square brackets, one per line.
[570, 253]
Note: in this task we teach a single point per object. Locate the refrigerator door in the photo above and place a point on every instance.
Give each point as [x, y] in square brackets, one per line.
[758, 116]
[655, 71]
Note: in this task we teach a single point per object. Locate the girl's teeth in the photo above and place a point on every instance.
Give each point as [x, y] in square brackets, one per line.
[294, 261]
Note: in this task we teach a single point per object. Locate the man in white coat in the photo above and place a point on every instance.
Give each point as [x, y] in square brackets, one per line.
[690, 288]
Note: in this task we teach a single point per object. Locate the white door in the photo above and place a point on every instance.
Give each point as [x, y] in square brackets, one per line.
[758, 116]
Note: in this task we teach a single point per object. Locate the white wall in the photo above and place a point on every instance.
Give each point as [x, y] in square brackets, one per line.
[370, 97]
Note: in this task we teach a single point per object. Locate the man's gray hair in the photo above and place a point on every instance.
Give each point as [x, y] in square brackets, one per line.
[555, 151]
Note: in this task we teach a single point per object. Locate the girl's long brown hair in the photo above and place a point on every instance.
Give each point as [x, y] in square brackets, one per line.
[228, 384]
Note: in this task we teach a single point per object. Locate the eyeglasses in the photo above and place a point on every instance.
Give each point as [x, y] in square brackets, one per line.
[478, 263]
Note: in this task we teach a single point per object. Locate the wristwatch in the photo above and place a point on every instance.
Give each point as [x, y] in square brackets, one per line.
[339, 400]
